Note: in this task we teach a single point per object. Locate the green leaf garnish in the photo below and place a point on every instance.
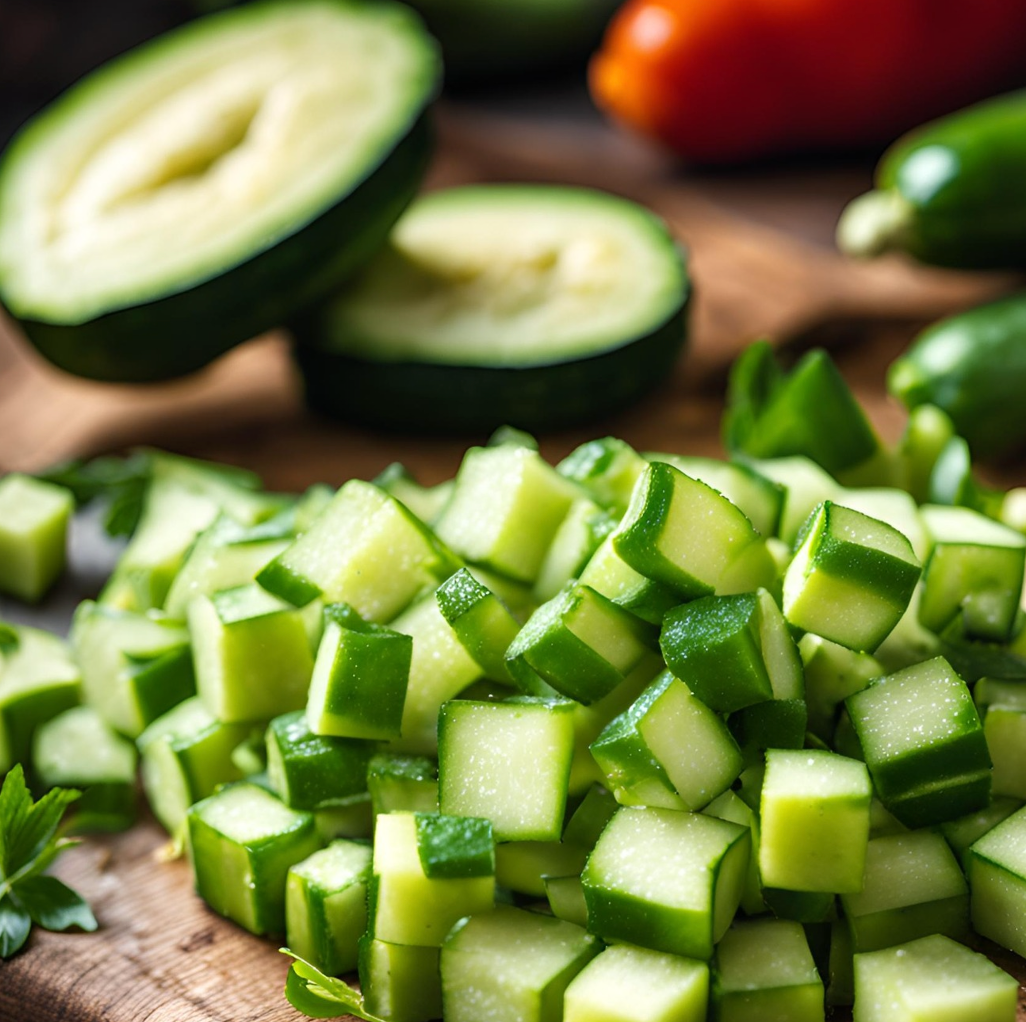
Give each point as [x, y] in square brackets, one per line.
[29, 843]
[309, 991]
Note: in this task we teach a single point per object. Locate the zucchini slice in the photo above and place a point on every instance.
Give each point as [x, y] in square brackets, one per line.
[201, 188]
[536, 305]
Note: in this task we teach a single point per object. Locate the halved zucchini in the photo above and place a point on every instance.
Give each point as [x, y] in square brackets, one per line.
[534, 305]
[201, 188]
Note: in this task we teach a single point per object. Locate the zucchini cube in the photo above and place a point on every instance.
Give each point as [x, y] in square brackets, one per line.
[607, 468]
[668, 750]
[963, 833]
[576, 540]
[764, 969]
[440, 669]
[732, 651]
[309, 771]
[933, 979]
[611, 576]
[974, 571]
[186, 755]
[657, 535]
[226, 555]
[666, 880]
[364, 549]
[38, 680]
[426, 502]
[505, 509]
[1005, 730]
[731, 807]
[832, 673]
[326, 906]
[429, 872]
[359, 680]
[242, 842]
[33, 535]
[252, 654]
[482, 623]
[566, 899]
[997, 880]
[851, 578]
[814, 819]
[134, 667]
[400, 783]
[663, 988]
[913, 887]
[507, 762]
[79, 749]
[522, 866]
[579, 643]
[510, 965]
[352, 819]
[923, 742]
[400, 982]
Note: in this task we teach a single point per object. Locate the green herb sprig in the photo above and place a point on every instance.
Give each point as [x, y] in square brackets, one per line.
[313, 994]
[29, 843]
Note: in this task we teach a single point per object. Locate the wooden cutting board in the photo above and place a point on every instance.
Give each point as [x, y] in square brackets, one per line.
[763, 264]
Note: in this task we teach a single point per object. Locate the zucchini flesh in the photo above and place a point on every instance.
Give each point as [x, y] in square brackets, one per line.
[33, 535]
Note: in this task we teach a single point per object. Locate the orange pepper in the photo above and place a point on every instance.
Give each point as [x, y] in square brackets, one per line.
[726, 80]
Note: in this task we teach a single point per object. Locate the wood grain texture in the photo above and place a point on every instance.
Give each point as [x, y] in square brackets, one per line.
[763, 264]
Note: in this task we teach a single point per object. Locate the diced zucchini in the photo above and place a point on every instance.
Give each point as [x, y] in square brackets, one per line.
[38, 680]
[227, 555]
[352, 819]
[34, 519]
[732, 651]
[851, 578]
[411, 903]
[399, 783]
[309, 771]
[814, 821]
[365, 549]
[507, 762]
[79, 749]
[580, 643]
[400, 982]
[932, 979]
[326, 906]
[913, 887]
[576, 540]
[667, 750]
[975, 571]
[186, 755]
[760, 498]
[1005, 730]
[607, 468]
[666, 880]
[923, 743]
[663, 988]
[522, 866]
[731, 807]
[566, 899]
[482, 623]
[894, 507]
[832, 673]
[511, 966]
[926, 433]
[360, 676]
[657, 536]
[252, 654]
[997, 880]
[609, 574]
[505, 509]
[441, 668]
[134, 667]
[805, 486]
[242, 842]
[426, 502]
[962, 833]
[764, 970]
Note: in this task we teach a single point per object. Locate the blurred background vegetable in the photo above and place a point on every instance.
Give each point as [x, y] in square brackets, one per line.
[732, 80]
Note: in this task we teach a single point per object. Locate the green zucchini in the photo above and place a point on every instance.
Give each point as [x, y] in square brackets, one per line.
[536, 305]
[33, 535]
[949, 193]
[203, 187]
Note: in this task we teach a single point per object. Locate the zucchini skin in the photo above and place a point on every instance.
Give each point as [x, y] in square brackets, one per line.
[973, 366]
[442, 398]
[181, 332]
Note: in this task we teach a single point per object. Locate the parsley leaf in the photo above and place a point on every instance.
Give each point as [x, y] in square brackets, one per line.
[309, 991]
[29, 843]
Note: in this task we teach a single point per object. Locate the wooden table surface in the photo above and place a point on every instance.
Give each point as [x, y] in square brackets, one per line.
[763, 263]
